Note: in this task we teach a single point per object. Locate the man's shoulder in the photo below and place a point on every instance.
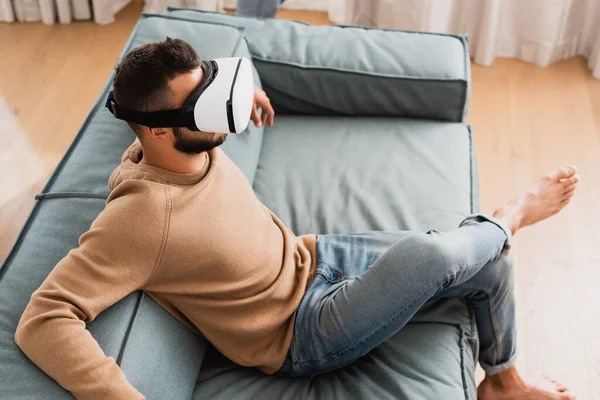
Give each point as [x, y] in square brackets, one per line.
[134, 214]
[136, 198]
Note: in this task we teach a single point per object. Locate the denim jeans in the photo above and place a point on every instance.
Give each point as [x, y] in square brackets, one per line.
[368, 286]
[258, 8]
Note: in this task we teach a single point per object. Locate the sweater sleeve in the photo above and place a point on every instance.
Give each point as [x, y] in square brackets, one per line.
[115, 257]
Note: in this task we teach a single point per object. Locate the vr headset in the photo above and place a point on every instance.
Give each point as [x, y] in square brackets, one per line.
[221, 103]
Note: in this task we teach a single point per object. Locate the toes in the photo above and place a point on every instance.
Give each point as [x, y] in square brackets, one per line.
[570, 188]
[567, 396]
[573, 180]
[568, 195]
[563, 173]
[559, 388]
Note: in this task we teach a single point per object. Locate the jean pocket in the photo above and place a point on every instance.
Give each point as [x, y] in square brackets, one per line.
[330, 273]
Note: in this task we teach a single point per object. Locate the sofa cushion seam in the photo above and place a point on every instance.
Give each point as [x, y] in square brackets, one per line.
[461, 347]
[130, 328]
[353, 72]
[70, 195]
[471, 155]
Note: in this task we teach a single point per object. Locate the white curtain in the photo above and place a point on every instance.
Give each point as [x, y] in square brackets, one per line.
[537, 31]
[63, 11]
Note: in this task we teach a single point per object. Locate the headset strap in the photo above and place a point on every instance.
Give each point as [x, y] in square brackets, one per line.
[154, 119]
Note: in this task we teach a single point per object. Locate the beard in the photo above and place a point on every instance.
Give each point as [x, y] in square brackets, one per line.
[188, 144]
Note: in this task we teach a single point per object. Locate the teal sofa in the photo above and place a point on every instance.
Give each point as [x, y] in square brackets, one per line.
[370, 134]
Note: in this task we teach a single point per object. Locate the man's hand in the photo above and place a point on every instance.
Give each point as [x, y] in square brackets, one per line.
[267, 114]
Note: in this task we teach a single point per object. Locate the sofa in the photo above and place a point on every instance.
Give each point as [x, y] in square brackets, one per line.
[369, 134]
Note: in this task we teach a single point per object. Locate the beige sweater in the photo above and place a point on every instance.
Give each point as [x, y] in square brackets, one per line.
[202, 245]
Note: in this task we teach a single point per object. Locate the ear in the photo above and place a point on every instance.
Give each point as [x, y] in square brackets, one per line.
[156, 133]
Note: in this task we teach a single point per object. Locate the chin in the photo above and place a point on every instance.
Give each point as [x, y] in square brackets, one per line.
[195, 146]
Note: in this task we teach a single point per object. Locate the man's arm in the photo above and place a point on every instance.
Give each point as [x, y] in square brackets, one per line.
[115, 257]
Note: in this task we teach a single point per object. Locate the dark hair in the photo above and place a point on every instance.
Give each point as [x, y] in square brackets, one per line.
[142, 78]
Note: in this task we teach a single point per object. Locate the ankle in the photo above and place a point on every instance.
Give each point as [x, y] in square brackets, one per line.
[511, 216]
[506, 380]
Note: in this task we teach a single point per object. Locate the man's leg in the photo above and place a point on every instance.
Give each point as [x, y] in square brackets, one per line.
[351, 306]
[258, 8]
[490, 293]
[355, 304]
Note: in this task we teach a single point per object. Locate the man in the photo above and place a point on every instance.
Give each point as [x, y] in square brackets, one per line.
[183, 224]
[258, 8]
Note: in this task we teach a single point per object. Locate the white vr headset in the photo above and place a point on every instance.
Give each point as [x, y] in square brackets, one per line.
[221, 103]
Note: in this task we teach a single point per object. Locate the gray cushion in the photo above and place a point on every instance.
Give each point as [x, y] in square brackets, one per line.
[98, 148]
[425, 360]
[332, 70]
[341, 174]
[149, 344]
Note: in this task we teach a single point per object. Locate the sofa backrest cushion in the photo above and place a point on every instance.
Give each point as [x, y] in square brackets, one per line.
[356, 71]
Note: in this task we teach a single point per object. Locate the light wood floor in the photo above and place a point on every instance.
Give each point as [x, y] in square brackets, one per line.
[527, 120]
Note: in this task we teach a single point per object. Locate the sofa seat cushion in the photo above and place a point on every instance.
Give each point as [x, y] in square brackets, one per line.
[336, 175]
[342, 175]
[424, 360]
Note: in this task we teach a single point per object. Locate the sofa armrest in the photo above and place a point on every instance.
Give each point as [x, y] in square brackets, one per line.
[160, 356]
[358, 71]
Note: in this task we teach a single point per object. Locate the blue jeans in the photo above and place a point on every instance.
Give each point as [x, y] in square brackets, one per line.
[368, 286]
[258, 8]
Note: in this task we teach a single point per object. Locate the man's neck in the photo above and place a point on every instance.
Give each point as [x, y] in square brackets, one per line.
[175, 161]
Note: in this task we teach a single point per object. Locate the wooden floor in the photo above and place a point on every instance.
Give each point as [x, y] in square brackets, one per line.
[528, 121]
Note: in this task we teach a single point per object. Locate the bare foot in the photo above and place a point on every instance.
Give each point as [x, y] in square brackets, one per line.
[552, 194]
[508, 385]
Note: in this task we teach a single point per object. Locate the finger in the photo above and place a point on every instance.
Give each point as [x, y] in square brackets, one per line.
[255, 116]
[270, 112]
[264, 117]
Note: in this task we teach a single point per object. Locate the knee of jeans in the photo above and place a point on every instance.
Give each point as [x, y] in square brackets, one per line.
[500, 273]
[438, 255]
